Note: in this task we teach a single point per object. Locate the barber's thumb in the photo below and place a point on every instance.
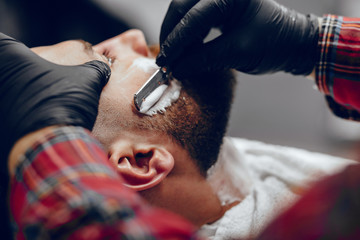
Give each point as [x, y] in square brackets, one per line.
[97, 70]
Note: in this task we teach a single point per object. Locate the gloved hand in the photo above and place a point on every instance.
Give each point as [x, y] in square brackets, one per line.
[258, 36]
[35, 93]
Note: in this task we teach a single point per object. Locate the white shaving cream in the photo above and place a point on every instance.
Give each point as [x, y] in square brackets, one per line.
[148, 65]
[163, 96]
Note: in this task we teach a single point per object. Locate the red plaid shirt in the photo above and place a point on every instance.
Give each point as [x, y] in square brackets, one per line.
[331, 209]
[338, 69]
[64, 188]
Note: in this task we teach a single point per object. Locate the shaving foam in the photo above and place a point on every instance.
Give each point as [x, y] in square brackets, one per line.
[165, 96]
[147, 65]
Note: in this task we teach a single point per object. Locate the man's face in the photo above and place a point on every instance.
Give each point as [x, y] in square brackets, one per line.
[132, 64]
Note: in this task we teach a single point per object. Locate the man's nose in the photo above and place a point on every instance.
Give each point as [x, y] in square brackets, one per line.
[124, 45]
[137, 40]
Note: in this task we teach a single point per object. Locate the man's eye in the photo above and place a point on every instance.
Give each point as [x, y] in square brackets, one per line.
[109, 59]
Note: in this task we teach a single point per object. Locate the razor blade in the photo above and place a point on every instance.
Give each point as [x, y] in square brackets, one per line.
[159, 78]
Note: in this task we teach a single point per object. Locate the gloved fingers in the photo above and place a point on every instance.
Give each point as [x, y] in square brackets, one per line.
[217, 54]
[192, 28]
[176, 11]
[4, 39]
[14, 56]
[98, 70]
[69, 93]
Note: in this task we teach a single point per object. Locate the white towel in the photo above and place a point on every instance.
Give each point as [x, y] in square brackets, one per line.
[266, 179]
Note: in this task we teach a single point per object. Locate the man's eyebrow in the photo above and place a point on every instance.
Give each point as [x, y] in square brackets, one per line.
[87, 45]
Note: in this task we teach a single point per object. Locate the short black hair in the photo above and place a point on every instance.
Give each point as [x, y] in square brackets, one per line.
[198, 119]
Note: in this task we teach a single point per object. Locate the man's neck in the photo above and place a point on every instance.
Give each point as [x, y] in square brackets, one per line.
[191, 198]
[203, 206]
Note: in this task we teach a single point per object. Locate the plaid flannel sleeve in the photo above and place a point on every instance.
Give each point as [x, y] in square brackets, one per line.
[64, 188]
[338, 68]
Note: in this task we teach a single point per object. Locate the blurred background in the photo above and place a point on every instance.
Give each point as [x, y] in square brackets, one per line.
[278, 109]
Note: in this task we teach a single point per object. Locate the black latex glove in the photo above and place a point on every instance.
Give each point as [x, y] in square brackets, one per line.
[258, 36]
[35, 93]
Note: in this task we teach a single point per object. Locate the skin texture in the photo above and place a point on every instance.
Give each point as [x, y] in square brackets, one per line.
[150, 161]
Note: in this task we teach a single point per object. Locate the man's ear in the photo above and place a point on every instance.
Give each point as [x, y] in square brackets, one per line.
[143, 168]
